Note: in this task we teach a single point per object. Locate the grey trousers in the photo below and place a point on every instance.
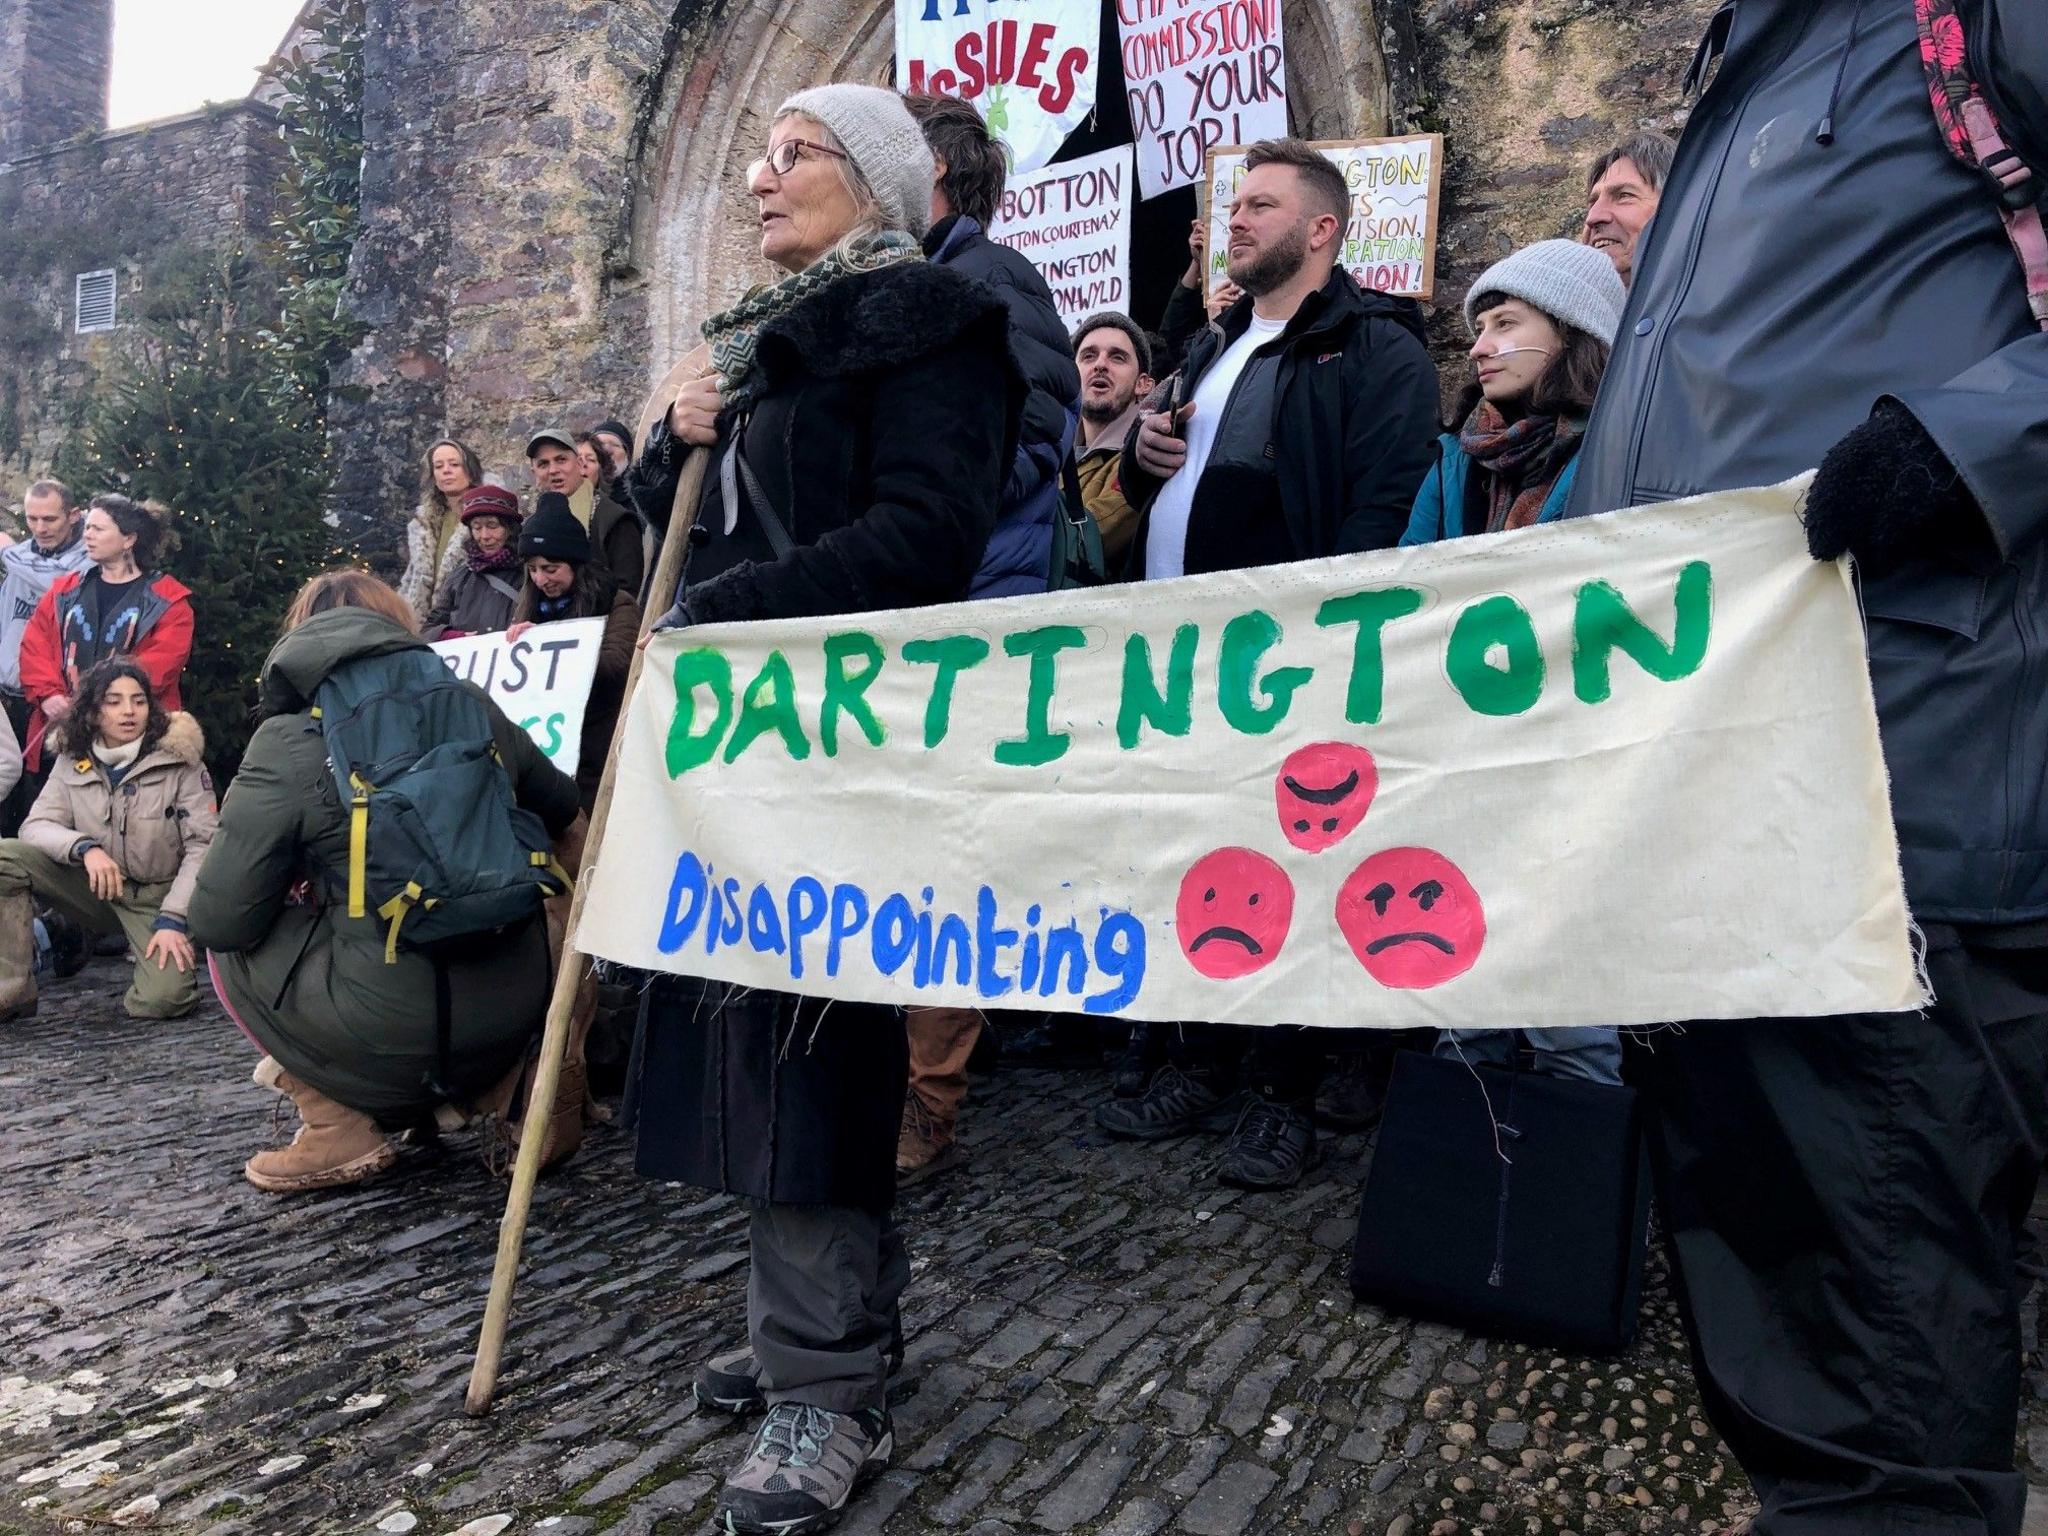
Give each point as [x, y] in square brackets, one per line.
[1592, 1055]
[822, 1297]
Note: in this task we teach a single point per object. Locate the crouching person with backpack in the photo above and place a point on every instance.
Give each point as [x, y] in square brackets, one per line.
[378, 990]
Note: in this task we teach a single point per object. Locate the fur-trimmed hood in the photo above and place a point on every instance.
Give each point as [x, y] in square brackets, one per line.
[880, 319]
[184, 741]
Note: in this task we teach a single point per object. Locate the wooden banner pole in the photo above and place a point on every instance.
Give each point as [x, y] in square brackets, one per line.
[533, 1135]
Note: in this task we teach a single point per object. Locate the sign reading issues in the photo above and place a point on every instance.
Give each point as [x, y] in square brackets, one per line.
[1027, 65]
[1615, 771]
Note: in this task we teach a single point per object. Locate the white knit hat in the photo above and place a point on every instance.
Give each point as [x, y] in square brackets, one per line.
[874, 127]
[1567, 281]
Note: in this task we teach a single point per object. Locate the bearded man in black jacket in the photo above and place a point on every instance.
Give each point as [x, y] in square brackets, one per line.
[1306, 422]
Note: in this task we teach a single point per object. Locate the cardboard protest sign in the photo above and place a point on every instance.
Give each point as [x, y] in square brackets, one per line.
[1073, 220]
[1390, 244]
[1027, 65]
[1613, 771]
[1199, 73]
[541, 680]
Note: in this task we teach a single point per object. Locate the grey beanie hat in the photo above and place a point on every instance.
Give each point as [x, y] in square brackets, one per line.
[874, 128]
[1567, 281]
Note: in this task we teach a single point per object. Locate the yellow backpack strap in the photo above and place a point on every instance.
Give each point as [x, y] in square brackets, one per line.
[553, 867]
[394, 912]
[358, 843]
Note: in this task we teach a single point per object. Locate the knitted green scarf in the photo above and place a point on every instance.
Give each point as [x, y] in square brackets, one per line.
[733, 333]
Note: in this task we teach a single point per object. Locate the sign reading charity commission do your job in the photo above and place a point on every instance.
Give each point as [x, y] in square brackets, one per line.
[1199, 73]
[1619, 770]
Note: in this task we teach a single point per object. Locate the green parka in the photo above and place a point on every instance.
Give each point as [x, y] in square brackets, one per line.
[306, 980]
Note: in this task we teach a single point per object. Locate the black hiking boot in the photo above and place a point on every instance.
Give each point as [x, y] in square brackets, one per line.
[1173, 1104]
[1140, 1058]
[1272, 1146]
[1355, 1095]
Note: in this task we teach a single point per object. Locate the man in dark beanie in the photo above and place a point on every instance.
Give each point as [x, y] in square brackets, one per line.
[1827, 283]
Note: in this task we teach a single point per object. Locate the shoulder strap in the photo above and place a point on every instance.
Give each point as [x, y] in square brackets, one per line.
[501, 586]
[733, 465]
[1970, 129]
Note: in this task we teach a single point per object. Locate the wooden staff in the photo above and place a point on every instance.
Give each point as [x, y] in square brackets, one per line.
[540, 1105]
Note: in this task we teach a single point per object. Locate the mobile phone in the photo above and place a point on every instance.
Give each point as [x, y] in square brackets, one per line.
[1174, 386]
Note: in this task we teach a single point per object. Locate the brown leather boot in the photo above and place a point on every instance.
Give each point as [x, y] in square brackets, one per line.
[17, 957]
[335, 1145]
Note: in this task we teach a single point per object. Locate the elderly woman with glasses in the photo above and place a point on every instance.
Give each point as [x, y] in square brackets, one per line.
[863, 409]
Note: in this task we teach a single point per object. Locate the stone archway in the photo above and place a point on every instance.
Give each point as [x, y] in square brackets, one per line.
[696, 240]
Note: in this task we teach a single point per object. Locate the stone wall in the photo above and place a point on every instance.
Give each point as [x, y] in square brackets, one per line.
[54, 56]
[550, 212]
[114, 201]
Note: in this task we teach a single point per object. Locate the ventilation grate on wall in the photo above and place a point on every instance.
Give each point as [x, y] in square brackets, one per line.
[95, 303]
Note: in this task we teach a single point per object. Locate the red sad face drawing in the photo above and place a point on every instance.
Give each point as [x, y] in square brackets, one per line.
[1323, 792]
[1411, 917]
[1233, 913]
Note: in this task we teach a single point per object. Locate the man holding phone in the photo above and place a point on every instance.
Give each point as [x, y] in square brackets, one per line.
[1300, 426]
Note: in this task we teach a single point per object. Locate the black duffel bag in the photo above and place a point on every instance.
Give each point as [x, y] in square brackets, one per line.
[1541, 1240]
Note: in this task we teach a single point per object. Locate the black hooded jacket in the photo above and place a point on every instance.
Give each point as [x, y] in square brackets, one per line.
[1353, 433]
[1787, 286]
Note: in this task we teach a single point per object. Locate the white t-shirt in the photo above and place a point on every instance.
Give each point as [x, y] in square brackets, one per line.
[1166, 538]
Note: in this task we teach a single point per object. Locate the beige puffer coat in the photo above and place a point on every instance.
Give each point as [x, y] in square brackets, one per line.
[156, 825]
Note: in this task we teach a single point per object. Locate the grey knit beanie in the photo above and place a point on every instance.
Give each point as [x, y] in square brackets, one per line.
[1567, 281]
[874, 127]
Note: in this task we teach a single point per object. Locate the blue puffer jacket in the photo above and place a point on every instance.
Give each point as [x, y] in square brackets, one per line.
[1439, 511]
[1019, 553]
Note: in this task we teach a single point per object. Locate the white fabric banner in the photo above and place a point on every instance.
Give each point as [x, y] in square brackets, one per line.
[541, 680]
[1613, 771]
[1199, 74]
[1073, 222]
[1027, 65]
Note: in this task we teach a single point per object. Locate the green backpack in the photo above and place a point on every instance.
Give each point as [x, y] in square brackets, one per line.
[437, 846]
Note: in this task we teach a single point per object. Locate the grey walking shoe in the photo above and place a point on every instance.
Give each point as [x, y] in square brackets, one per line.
[803, 1466]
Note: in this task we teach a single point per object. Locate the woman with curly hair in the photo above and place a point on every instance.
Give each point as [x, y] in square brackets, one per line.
[114, 841]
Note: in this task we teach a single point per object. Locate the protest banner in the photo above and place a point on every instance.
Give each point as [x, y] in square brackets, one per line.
[1199, 73]
[541, 680]
[1073, 222]
[1390, 244]
[1027, 65]
[1619, 770]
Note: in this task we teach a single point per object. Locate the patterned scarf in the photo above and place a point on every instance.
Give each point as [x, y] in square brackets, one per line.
[735, 332]
[503, 558]
[1523, 460]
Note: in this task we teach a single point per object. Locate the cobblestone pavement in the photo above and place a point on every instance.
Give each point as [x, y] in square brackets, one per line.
[1103, 1339]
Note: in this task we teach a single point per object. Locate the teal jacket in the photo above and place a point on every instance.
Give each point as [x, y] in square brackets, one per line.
[1439, 510]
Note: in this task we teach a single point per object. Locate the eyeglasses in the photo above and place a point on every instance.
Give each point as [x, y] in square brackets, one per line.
[783, 157]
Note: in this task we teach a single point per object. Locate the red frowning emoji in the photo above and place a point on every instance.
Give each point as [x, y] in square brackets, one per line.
[1234, 910]
[1411, 917]
[1323, 792]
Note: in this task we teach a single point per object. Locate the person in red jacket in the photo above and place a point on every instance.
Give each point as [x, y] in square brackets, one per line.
[118, 607]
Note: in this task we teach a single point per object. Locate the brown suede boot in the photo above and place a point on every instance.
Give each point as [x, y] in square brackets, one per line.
[335, 1145]
[17, 957]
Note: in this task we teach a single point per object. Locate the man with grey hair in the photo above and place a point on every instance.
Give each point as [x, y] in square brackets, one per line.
[53, 547]
[1622, 190]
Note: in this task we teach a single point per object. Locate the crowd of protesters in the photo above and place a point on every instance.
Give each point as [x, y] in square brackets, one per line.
[1857, 1348]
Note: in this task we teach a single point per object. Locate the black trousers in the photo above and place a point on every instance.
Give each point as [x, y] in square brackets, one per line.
[1281, 1061]
[1844, 1197]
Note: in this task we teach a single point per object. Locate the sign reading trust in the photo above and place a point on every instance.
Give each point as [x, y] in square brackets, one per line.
[1614, 771]
[1027, 65]
[541, 680]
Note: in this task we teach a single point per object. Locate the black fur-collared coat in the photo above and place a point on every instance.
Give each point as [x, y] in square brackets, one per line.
[883, 434]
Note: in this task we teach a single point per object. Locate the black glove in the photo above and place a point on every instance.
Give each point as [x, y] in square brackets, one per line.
[1887, 494]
